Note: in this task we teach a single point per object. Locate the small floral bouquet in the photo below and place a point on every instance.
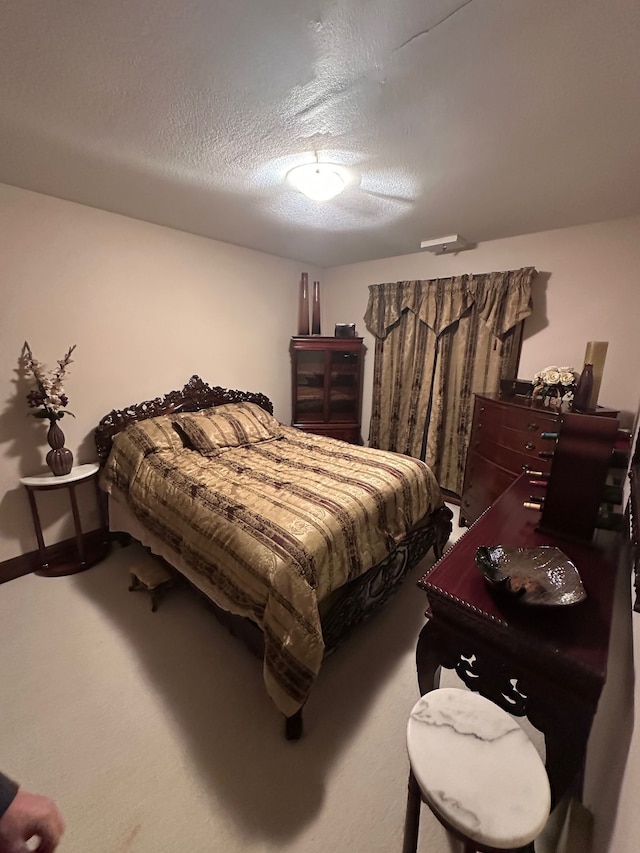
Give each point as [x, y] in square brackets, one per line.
[48, 396]
[559, 382]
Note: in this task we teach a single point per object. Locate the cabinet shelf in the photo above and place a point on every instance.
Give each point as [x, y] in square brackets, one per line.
[305, 393]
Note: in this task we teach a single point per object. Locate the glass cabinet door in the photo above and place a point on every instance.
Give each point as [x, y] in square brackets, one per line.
[327, 386]
[310, 386]
[344, 387]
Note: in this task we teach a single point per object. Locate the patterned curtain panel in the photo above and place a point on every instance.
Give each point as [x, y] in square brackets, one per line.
[437, 343]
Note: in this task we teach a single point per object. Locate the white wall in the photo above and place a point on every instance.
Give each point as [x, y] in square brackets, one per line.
[587, 289]
[147, 307]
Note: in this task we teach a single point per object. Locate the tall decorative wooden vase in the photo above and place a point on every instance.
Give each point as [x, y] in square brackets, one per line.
[59, 458]
[315, 309]
[303, 307]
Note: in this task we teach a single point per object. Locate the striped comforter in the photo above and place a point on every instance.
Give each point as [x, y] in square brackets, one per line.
[269, 530]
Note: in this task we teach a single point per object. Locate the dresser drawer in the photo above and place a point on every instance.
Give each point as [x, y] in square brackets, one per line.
[499, 416]
[517, 459]
[484, 482]
[531, 443]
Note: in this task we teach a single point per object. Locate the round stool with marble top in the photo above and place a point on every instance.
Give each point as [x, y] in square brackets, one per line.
[478, 772]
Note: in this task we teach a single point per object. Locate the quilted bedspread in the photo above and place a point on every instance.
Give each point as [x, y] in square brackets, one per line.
[269, 530]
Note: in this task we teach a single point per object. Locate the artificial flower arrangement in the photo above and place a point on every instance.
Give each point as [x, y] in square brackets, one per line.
[558, 382]
[48, 397]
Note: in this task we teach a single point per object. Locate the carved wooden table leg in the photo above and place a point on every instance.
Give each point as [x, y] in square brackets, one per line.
[38, 528]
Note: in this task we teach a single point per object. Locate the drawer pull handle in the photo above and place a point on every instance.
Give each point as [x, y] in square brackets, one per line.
[529, 446]
[532, 426]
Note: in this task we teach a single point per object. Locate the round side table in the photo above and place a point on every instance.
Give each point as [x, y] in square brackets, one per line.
[87, 551]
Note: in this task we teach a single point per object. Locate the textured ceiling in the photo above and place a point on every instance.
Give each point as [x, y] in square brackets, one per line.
[487, 118]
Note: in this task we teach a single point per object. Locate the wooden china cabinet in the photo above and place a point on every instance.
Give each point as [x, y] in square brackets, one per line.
[327, 386]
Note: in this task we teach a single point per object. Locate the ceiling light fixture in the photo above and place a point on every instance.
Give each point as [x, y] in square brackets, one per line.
[318, 181]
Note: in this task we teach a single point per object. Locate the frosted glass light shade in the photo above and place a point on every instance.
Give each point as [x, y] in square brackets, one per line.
[318, 181]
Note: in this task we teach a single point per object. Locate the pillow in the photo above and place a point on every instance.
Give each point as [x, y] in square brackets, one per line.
[231, 425]
[155, 434]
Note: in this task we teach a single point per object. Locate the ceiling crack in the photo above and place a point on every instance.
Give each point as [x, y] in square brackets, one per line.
[322, 99]
[430, 29]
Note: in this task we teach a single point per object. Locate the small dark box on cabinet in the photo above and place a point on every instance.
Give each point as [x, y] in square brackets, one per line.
[345, 330]
[515, 387]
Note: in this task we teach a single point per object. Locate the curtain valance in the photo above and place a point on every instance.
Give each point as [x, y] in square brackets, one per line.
[503, 299]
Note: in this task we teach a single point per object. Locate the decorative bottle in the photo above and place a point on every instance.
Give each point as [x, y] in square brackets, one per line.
[303, 308]
[315, 322]
[582, 396]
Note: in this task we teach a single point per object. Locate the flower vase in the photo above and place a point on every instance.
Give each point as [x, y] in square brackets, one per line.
[59, 458]
[582, 395]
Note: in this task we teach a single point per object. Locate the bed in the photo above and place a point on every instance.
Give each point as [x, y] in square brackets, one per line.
[296, 537]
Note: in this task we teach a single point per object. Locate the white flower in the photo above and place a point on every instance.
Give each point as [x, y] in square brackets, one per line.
[567, 376]
[554, 380]
[48, 396]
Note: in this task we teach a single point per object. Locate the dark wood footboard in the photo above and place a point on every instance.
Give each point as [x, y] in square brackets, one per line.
[363, 596]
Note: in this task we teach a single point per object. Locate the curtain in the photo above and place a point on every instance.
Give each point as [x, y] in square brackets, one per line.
[436, 344]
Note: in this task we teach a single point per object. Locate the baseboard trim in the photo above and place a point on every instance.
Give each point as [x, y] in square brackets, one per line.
[16, 567]
[59, 552]
[451, 497]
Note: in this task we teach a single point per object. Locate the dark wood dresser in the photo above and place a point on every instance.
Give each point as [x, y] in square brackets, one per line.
[326, 392]
[507, 438]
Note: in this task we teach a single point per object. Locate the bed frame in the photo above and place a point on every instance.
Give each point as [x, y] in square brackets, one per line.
[195, 395]
[346, 607]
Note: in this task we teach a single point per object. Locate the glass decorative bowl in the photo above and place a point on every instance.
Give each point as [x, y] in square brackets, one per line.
[538, 576]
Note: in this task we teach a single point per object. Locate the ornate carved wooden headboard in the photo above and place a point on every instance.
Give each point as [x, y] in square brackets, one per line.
[195, 395]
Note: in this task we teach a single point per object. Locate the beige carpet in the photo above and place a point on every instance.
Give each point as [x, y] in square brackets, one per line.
[153, 731]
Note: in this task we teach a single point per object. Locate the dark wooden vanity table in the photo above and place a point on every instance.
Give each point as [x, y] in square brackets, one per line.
[549, 664]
